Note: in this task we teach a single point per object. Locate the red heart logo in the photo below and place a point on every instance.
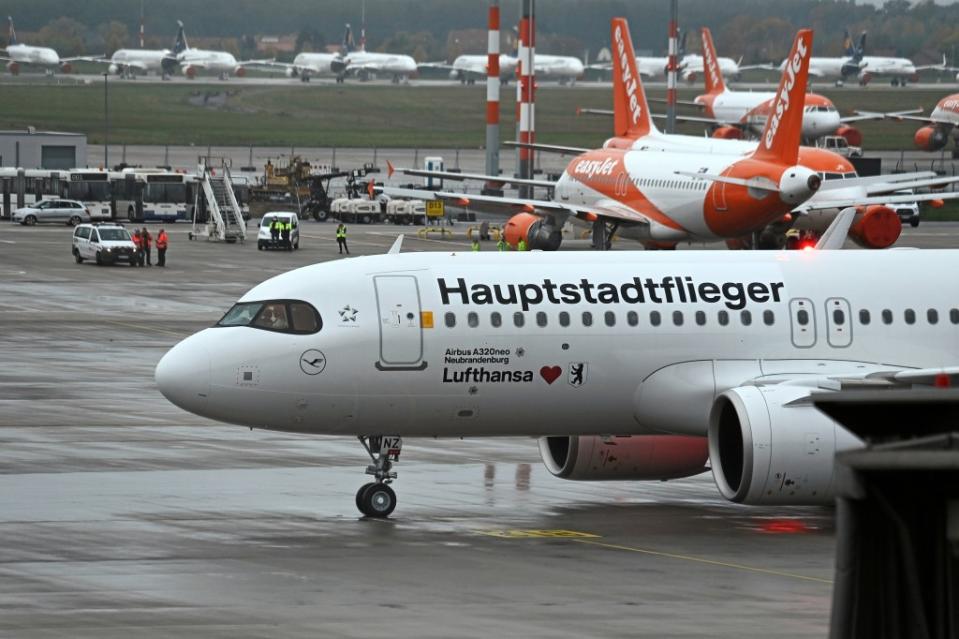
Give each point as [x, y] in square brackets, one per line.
[550, 373]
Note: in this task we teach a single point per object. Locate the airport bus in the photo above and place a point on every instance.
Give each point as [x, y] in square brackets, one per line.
[94, 188]
[155, 195]
[35, 184]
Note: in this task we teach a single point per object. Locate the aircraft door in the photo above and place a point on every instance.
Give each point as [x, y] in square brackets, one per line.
[802, 320]
[401, 330]
[838, 322]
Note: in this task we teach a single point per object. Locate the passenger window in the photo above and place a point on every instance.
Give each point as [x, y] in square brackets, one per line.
[678, 318]
[723, 317]
[654, 318]
[610, 317]
[587, 318]
[472, 319]
[802, 317]
[886, 316]
[954, 315]
[864, 317]
[632, 318]
[910, 316]
[563, 318]
[541, 319]
[701, 318]
[94, 236]
[769, 318]
[932, 315]
[519, 320]
[746, 317]
[838, 317]
[495, 319]
[450, 319]
[305, 318]
[273, 317]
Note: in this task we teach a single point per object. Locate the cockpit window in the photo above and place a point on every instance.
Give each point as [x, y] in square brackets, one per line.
[284, 316]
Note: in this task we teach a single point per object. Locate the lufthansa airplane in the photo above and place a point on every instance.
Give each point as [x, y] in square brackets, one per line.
[626, 365]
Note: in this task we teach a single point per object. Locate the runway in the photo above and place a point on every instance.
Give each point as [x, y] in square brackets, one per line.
[123, 515]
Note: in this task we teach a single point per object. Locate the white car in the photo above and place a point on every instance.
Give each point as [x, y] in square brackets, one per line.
[53, 210]
[104, 243]
[264, 239]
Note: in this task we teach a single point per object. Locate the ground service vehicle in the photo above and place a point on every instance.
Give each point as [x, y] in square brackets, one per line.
[264, 238]
[105, 243]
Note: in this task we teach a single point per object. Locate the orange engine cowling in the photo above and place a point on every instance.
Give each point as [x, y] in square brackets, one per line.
[538, 232]
[728, 133]
[852, 134]
[239, 72]
[876, 226]
[13, 68]
[66, 67]
[189, 71]
[930, 138]
[650, 457]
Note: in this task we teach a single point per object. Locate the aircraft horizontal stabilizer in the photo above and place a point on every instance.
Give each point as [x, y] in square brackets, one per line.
[835, 236]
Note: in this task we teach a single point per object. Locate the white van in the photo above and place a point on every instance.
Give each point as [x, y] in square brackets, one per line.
[264, 239]
[103, 243]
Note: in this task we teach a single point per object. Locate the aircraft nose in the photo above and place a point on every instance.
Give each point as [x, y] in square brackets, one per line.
[183, 375]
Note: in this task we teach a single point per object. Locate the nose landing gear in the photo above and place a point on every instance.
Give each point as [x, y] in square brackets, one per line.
[377, 499]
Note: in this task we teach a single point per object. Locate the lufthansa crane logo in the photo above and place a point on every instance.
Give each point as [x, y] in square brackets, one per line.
[312, 362]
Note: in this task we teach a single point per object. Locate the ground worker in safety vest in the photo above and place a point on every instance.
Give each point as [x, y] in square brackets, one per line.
[285, 233]
[147, 241]
[502, 245]
[275, 230]
[162, 242]
[476, 245]
[521, 245]
[341, 239]
[138, 243]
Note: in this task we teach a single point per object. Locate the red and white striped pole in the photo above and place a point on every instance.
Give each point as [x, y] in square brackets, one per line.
[492, 91]
[672, 66]
[527, 92]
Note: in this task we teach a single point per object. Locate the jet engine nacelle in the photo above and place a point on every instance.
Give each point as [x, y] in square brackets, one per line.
[728, 133]
[239, 72]
[652, 457]
[852, 134]
[113, 69]
[291, 72]
[190, 71]
[876, 227]
[765, 447]
[66, 67]
[539, 233]
[13, 68]
[930, 138]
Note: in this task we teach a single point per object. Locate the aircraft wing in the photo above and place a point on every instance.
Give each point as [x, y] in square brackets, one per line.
[83, 58]
[446, 66]
[450, 175]
[759, 67]
[680, 102]
[696, 118]
[903, 115]
[938, 67]
[260, 62]
[594, 112]
[841, 203]
[548, 148]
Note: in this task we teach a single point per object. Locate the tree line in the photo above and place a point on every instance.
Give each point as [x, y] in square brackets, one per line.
[757, 30]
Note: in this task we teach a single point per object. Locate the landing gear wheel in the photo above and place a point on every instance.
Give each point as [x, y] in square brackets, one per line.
[377, 500]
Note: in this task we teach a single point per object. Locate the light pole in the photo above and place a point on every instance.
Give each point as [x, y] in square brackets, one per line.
[106, 122]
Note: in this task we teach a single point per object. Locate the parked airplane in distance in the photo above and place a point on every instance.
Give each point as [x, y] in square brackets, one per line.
[939, 124]
[367, 64]
[193, 61]
[468, 68]
[24, 54]
[865, 68]
[627, 365]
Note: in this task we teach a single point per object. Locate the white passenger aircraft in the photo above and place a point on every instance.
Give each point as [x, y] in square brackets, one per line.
[193, 61]
[365, 64]
[627, 365]
[21, 54]
[468, 68]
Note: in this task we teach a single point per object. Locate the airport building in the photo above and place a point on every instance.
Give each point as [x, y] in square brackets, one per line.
[32, 149]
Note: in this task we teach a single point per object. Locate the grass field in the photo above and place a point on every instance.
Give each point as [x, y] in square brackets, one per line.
[362, 115]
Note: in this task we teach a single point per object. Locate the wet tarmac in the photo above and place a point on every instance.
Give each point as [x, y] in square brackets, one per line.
[122, 515]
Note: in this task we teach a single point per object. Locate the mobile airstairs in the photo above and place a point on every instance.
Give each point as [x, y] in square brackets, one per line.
[217, 215]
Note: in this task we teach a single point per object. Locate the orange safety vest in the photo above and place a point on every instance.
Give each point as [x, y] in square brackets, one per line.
[161, 240]
[146, 239]
[136, 241]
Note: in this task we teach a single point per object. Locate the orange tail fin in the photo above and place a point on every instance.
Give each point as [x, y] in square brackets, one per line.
[712, 74]
[631, 116]
[780, 138]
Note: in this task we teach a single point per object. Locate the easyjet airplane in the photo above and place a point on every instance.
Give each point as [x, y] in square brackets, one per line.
[732, 112]
[627, 365]
[695, 209]
[939, 124]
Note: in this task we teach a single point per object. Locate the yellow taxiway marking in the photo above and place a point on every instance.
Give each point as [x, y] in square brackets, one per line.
[593, 540]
